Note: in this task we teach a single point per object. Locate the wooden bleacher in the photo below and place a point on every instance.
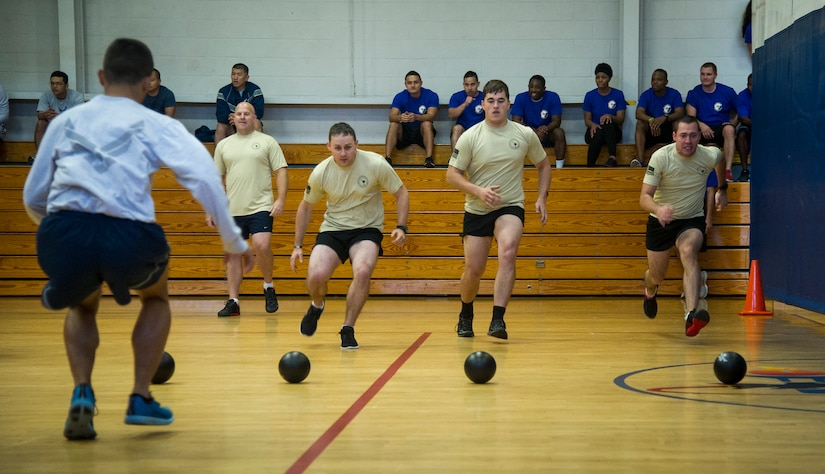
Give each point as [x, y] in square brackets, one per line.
[310, 154]
[593, 243]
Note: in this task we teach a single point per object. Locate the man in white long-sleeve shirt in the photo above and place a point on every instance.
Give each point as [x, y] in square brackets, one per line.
[90, 191]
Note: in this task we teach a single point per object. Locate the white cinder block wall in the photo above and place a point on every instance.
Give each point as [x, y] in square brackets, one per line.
[321, 61]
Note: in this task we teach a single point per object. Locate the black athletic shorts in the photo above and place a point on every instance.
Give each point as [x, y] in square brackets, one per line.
[411, 135]
[484, 225]
[664, 238]
[254, 223]
[78, 251]
[665, 135]
[718, 136]
[341, 240]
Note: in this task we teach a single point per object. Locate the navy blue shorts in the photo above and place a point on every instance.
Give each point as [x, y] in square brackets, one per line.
[254, 223]
[484, 225]
[341, 240]
[660, 238]
[78, 251]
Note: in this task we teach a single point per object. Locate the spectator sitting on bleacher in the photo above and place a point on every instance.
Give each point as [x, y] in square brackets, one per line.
[656, 111]
[54, 101]
[230, 95]
[604, 111]
[540, 110]
[465, 107]
[411, 118]
[4, 112]
[743, 131]
[714, 105]
[159, 98]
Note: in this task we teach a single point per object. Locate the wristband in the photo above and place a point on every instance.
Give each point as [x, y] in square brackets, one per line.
[723, 186]
[651, 119]
[297, 247]
[402, 227]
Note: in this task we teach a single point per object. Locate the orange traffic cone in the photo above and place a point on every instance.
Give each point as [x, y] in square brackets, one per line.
[755, 301]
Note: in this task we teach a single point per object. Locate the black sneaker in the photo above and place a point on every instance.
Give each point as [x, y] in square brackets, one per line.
[651, 306]
[696, 320]
[231, 309]
[429, 163]
[271, 300]
[348, 341]
[310, 322]
[744, 177]
[611, 163]
[389, 160]
[465, 327]
[497, 329]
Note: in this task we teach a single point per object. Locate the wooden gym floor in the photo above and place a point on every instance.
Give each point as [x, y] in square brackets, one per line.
[583, 385]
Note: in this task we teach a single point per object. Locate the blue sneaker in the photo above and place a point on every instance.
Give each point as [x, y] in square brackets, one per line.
[81, 411]
[147, 411]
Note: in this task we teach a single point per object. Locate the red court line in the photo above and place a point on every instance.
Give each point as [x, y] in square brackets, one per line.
[333, 431]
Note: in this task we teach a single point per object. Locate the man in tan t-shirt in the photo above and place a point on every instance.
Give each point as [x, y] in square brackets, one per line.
[675, 194]
[246, 160]
[351, 180]
[488, 167]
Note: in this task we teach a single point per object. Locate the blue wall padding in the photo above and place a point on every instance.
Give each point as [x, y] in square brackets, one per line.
[788, 163]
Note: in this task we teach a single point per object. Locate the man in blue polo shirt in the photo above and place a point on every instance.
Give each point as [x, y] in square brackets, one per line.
[465, 107]
[743, 131]
[658, 108]
[541, 110]
[411, 118]
[714, 105]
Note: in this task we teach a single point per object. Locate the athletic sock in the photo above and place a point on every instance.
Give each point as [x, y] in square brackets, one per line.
[498, 312]
[466, 310]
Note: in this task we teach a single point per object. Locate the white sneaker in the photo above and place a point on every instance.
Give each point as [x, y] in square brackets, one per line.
[634, 163]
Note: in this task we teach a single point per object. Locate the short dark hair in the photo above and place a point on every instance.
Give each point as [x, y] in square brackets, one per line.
[686, 119]
[241, 66]
[605, 68]
[342, 128]
[127, 61]
[156, 70]
[710, 65]
[471, 74]
[412, 73]
[496, 85]
[660, 70]
[61, 75]
[537, 77]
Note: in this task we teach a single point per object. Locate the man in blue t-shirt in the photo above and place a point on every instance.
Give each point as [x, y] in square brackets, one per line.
[412, 115]
[743, 131]
[465, 107]
[658, 108]
[540, 110]
[714, 105]
[240, 90]
[158, 97]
